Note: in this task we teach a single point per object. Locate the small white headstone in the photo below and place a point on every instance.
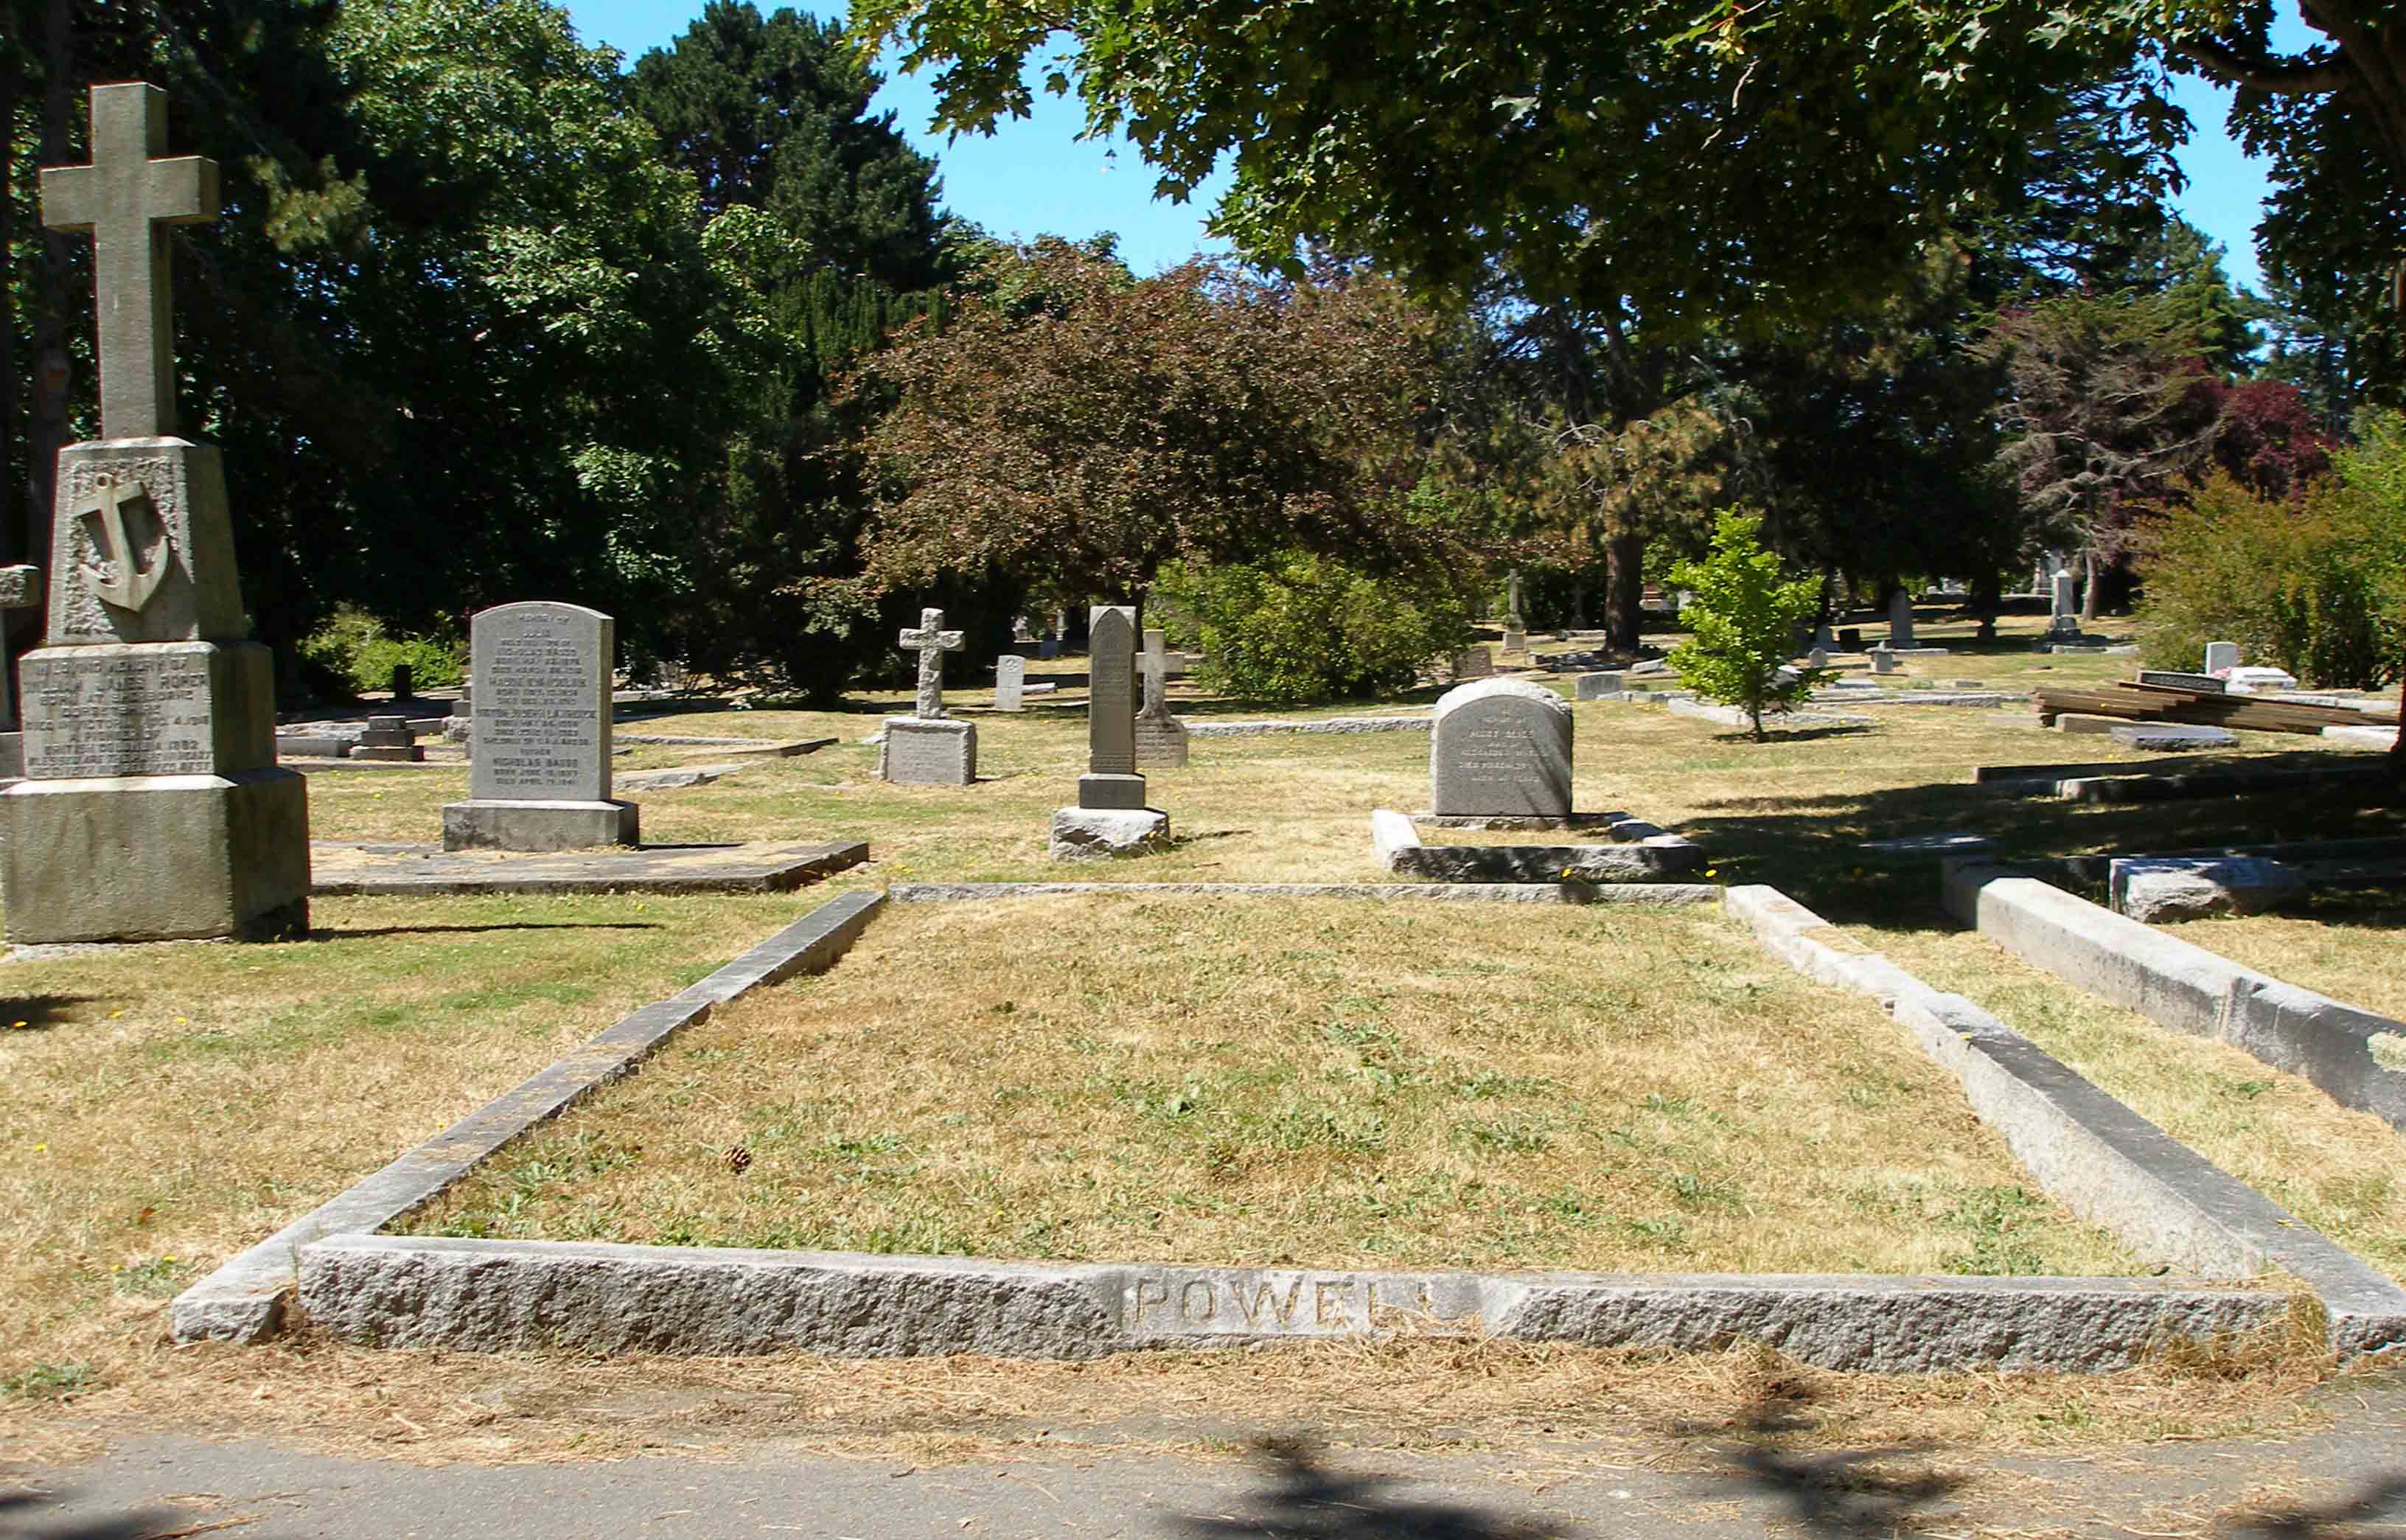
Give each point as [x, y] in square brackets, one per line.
[1009, 682]
[2221, 657]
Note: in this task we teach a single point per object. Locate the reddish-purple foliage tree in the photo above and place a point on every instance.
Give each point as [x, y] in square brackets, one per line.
[2269, 442]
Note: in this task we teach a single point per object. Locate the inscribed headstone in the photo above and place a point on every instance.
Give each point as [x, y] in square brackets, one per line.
[1501, 748]
[2221, 657]
[1010, 682]
[2065, 615]
[539, 770]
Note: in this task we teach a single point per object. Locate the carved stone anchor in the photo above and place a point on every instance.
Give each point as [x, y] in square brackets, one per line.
[121, 582]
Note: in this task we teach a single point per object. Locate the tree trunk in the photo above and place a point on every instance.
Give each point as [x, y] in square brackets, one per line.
[1624, 591]
[2398, 750]
[2088, 585]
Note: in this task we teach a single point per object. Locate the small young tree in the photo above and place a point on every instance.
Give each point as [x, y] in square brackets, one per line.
[1744, 618]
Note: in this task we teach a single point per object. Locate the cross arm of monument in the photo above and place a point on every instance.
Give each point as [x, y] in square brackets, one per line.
[123, 200]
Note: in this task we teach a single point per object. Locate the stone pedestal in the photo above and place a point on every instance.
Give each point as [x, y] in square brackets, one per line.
[918, 751]
[153, 809]
[497, 823]
[1099, 834]
[1118, 793]
[389, 738]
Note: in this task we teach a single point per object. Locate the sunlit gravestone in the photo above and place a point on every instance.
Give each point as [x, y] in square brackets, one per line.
[152, 807]
[539, 777]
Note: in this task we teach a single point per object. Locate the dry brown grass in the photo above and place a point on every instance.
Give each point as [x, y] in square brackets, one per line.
[1323, 1083]
[169, 1106]
[2350, 952]
[2342, 1172]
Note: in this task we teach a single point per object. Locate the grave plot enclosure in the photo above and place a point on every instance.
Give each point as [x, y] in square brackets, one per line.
[1302, 1083]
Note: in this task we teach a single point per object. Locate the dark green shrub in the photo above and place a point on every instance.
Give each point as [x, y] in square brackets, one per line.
[354, 648]
[1299, 628]
[2316, 585]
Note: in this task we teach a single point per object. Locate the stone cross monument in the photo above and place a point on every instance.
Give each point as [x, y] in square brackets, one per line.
[152, 807]
[928, 748]
[1516, 634]
[1111, 817]
[1160, 737]
[931, 641]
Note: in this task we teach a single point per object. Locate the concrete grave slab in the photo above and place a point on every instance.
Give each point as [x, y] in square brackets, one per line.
[427, 870]
[1650, 856]
[2172, 737]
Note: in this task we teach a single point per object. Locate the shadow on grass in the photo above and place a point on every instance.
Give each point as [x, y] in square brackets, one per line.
[1305, 1499]
[1811, 846]
[2378, 1502]
[38, 1012]
[369, 933]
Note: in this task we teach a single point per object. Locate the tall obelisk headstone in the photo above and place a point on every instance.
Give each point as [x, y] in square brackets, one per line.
[539, 775]
[152, 807]
[1111, 817]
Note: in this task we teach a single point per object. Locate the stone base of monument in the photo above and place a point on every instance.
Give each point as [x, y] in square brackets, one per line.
[337, 868]
[158, 858]
[1098, 834]
[1641, 852]
[493, 823]
[920, 750]
[12, 755]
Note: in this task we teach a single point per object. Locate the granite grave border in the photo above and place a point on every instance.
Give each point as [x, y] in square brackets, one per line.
[245, 1300]
[2355, 1057]
[486, 1295]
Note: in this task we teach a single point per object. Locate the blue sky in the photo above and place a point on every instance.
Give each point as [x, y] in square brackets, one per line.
[1035, 176]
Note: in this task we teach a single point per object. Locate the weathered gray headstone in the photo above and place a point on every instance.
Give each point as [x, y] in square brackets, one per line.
[2064, 605]
[1160, 737]
[1501, 748]
[1899, 619]
[1474, 662]
[2160, 889]
[539, 775]
[2221, 657]
[1596, 687]
[21, 588]
[928, 748]
[152, 807]
[1010, 682]
[1111, 817]
[1883, 660]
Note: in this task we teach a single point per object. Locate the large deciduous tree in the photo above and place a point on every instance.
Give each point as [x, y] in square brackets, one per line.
[1081, 427]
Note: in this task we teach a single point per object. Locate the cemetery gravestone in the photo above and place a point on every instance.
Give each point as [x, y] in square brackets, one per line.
[152, 807]
[2221, 657]
[2065, 618]
[928, 748]
[1010, 682]
[1501, 748]
[539, 775]
[1900, 620]
[1474, 663]
[387, 738]
[1160, 737]
[1111, 817]
[21, 588]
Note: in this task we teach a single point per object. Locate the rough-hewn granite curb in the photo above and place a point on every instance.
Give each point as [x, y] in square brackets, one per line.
[243, 1301]
[1475, 893]
[2102, 1160]
[1331, 725]
[2369, 783]
[2183, 986]
[407, 1292]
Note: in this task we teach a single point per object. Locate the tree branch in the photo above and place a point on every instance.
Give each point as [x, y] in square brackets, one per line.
[2282, 80]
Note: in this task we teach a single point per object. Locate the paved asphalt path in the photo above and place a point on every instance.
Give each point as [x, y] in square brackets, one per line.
[2345, 1484]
